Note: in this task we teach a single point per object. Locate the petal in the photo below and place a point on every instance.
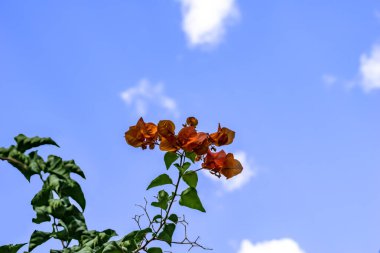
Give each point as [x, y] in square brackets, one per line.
[140, 123]
[134, 137]
[223, 136]
[166, 128]
[231, 167]
[187, 138]
[214, 161]
[169, 144]
[230, 135]
[150, 131]
[202, 144]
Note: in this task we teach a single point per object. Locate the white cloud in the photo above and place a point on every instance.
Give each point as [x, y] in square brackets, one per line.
[237, 181]
[368, 77]
[329, 79]
[370, 69]
[145, 95]
[204, 21]
[285, 245]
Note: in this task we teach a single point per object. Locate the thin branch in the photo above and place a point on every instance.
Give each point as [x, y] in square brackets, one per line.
[163, 221]
[12, 160]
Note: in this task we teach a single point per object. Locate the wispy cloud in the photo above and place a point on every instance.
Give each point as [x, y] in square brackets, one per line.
[329, 79]
[368, 76]
[370, 69]
[146, 95]
[240, 180]
[285, 245]
[205, 21]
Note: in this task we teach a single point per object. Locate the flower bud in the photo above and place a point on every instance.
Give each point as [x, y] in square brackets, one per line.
[192, 121]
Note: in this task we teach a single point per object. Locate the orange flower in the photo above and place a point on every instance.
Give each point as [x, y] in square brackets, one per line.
[142, 134]
[191, 141]
[222, 163]
[166, 132]
[169, 144]
[214, 161]
[187, 138]
[223, 136]
[166, 128]
[202, 144]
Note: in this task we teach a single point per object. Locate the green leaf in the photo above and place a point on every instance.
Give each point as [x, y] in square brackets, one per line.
[75, 227]
[156, 218]
[184, 167]
[20, 161]
[61, 235]
[94, 238]
[42, 197]
[167, 233]
[54, 165]
[189, 198]
[85, 249]
[42, 214]
[191, 178]
[173, 217]
[72, 210]
[112, 247]
[72, 189]
[38, 238]
[11, 248]
[170, 158]
[163, 199]
[36, 164]
[154, 250]
[160, 180]
[24, 143]
[53, 182]
[4, 152]
[66, 187]
[71, 165]
[191, 156]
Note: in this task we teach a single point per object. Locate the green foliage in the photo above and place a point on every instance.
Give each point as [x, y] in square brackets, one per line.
[191, 178]
[182, 168]
[163, 200]
[24, 143]
[160, 180]
[173, 217]
[61, 202]
[167, 233]
[38, 238]
[189, 198]
[154, 250]
[11, 248]
[191, 156]
[170, 158]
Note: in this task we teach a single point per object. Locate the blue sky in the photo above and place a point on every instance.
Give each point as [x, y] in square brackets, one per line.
[299, 82]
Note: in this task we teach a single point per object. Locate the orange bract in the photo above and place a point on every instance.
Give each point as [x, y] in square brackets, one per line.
[142, 135]
[189, 140]
[192, 121]
[223, 136]
[166, 132]
[219, 162]
[231, 166]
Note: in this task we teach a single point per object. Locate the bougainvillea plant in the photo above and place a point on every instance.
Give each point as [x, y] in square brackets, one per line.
[61, 201]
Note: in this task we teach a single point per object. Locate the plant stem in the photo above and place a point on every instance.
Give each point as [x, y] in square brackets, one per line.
[12, 160]
[163, 221]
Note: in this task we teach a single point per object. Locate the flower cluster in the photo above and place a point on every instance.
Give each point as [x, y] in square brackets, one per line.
[189, 140]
